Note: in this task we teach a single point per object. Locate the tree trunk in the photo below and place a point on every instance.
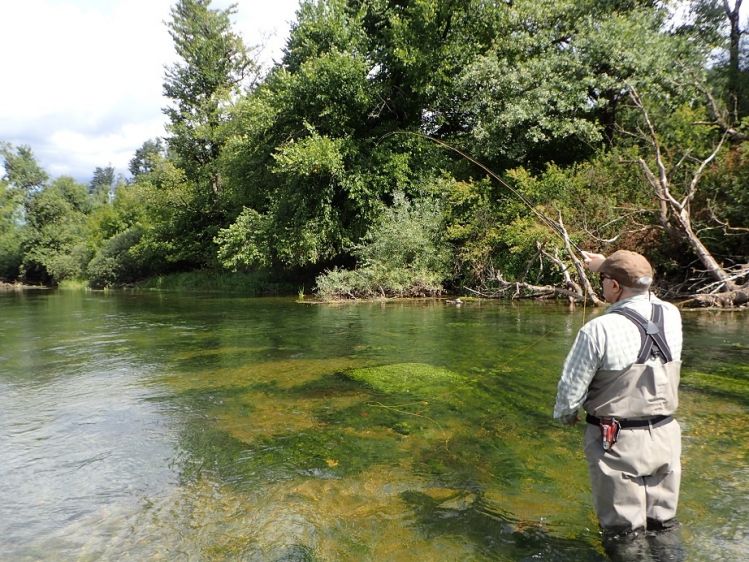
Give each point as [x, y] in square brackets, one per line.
[733, 49]
[675, 214]
[714, 269]
[731, 299]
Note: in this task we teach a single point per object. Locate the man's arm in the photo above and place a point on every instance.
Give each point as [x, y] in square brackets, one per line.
[580, 367]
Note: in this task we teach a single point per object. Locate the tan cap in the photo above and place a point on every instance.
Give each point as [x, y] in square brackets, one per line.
[629, 268]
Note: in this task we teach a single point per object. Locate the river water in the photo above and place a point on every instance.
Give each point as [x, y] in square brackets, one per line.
[166, 427]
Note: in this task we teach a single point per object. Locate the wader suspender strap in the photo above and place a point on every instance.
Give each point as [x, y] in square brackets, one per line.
[651, 332]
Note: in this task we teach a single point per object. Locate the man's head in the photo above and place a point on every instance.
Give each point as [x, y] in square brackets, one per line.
[629, 273]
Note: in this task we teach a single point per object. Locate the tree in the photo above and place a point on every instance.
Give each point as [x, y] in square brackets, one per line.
[549, 86]
[213, 69]
[214, 66]
[145, 158]
[675, 174]
[102, 184]
[403, 254]
[717, 24]
[55, 248]
[308, 154]
[22, 171]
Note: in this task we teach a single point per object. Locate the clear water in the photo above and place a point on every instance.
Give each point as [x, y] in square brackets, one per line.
[160, 426]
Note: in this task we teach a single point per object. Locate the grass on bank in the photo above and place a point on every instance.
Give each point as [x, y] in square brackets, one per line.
[253, 284]
[73, 284]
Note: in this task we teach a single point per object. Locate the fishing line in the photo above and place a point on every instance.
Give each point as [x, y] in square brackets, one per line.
[553, 225]
[543, 218]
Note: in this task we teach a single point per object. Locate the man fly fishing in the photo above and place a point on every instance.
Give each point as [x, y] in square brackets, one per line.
[623, 369]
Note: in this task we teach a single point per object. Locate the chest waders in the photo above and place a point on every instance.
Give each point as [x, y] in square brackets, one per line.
[635, 482]
[644, 394]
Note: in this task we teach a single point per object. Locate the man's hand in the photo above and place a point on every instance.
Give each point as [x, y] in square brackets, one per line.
[570, 419]
[593, 261]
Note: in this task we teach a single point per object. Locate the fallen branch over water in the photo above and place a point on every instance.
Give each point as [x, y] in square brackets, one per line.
[523, 290]
[730, 299]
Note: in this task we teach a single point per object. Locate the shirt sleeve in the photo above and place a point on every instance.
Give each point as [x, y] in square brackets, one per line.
[581, 365]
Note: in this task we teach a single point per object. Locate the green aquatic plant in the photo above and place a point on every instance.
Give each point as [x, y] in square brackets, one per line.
[419, 379]
[731, 383]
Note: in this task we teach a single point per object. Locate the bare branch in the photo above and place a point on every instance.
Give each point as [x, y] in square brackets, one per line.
[718, 284]
[664, 198]
[698, 174]
[527, 290]
[579, 267]
[662, 174]
[687, 156]
[726, 226]
[563, 268]
[720, 117]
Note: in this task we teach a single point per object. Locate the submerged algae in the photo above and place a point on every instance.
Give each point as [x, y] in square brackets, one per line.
[420, 379]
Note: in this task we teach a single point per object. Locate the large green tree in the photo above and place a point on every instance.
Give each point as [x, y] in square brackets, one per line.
[214, 65]
[55, 247]
[102, 184]
[22, 171]
[718, 25]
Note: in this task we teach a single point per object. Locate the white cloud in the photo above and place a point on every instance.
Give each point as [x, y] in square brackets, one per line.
[85, 151]
[83, 78]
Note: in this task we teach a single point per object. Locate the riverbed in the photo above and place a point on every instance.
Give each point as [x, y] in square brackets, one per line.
[162, 426]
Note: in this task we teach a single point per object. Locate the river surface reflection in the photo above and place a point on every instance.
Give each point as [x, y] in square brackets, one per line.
[161, 426]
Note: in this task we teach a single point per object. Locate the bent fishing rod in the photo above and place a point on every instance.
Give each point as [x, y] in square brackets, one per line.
[553, 225]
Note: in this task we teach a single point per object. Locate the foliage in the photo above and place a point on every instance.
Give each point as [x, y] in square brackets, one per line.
[145, 158]
[550, 90]
[213, 66]
[178, 218]
[102, 180]
[324, 164]
[114, 263]
[306, 214]
[403, 254]
[11, 231]
[214, 61]
[22, 171]
[244, 243]
[723, 205]
[717, 25]
[55, 247]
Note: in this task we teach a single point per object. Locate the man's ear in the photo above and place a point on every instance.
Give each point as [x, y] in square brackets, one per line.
[616, 286]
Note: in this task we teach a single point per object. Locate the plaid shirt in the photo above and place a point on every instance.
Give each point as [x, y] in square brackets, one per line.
[609, 342]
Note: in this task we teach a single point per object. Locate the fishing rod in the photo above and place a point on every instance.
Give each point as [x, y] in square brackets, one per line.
[553, 225]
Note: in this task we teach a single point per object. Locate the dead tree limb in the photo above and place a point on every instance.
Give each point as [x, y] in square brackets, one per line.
[579, 266]
[521, 290]
[675, 213]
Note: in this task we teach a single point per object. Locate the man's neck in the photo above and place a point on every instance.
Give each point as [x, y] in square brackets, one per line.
[627, 296]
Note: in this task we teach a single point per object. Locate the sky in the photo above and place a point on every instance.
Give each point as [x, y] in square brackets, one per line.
[82, 79]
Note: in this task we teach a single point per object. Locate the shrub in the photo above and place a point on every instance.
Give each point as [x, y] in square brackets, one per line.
[115, 263]
[402, 255]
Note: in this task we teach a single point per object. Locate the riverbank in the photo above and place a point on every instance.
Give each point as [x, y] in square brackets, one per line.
[263, 284]
[251, 284]
[18, 286]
